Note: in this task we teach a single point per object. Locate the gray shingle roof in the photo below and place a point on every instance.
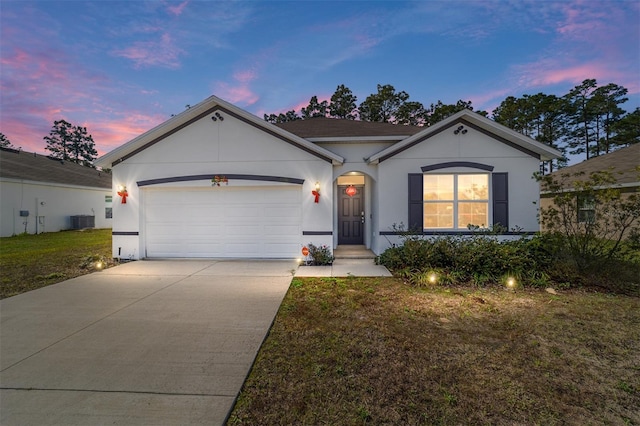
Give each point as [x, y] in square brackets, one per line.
[40, 168]
[321, 127]
[622, 164]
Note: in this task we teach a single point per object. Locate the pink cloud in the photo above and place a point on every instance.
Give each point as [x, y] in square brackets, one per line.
[178, 9]
[161, 53]
[107, 132]
[545, 73]
[241, 94]
[488, 101]
[41, 84]
[111, 132]
[39, 87]
[245, 76]
[581, 21]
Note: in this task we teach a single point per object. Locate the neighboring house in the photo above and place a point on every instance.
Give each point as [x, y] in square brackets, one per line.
[217, 181]
[623, 165]
[40, 194]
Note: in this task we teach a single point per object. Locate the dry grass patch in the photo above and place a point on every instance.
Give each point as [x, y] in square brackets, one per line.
[374, 350]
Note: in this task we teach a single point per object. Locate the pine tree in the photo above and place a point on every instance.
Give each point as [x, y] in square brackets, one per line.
[343, 104]
[5, 142]
[71, 143]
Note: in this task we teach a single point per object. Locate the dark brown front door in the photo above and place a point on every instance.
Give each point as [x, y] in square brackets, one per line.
[351, 214]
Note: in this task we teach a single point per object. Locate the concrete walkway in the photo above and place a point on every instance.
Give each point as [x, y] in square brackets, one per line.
[148, 342]
[345, 268]
[352, 260]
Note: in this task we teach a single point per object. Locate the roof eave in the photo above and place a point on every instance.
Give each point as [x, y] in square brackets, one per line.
[355, 139]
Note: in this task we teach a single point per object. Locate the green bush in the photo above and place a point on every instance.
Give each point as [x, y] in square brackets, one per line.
[480, 259]
[320, 255]
[598, 239]
[535, 261]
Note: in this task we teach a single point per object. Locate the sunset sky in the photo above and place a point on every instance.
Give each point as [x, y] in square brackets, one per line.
[120, 68]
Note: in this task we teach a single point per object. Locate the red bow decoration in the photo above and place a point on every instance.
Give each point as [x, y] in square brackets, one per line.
[317, 195]
[217, 180]
[124, 194]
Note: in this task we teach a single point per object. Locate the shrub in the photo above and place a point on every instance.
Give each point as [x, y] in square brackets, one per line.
[479, 259]
[595, 236]
[536, 261]
[320, 255]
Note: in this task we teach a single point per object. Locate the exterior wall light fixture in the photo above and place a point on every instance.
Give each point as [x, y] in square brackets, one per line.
[122, 192]
[316, 193]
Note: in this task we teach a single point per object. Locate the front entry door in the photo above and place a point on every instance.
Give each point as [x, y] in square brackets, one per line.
[351, 214]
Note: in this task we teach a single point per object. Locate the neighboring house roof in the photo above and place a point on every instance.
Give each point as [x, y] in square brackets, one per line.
[22, 165]
[622, 163]
[478, 122]
[208, 107]
[321, 127]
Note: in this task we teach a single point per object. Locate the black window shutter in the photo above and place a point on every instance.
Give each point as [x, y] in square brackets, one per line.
[500, 199]
[415, 202]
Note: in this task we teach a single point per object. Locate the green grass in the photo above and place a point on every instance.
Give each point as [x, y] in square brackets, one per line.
[29, 262]
[377, 351]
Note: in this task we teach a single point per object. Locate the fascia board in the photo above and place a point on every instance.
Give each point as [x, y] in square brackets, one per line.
[356, 139]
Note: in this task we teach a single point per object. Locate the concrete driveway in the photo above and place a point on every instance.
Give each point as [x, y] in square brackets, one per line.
[147, 342]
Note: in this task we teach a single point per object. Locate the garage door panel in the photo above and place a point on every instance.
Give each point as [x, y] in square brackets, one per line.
[199, 249]
[239, 249]
[282, 197]
[242, 211]
[289, 211]
[239, 230]
[282, 248]
[258, 222]
[200, 214]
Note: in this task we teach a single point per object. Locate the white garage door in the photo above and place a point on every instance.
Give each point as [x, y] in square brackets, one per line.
[223, 222]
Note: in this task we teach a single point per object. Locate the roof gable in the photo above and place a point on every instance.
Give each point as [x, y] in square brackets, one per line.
[16, 164]
[479, 123]
[211, 106]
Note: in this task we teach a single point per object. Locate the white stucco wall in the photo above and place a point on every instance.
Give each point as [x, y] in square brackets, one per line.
[50, 206]
[224, 148]
[473, 146]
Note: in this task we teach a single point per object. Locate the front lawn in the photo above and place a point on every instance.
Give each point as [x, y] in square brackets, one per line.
[375, 350]
[29, 262]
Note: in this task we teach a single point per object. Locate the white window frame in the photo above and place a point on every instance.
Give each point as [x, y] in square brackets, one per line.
[586, 209]
[455, 201]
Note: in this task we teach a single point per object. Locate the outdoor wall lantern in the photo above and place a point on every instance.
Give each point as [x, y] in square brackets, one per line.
[122, 192]
[316, 192]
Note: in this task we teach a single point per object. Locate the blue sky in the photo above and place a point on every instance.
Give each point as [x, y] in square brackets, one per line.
[120, 68]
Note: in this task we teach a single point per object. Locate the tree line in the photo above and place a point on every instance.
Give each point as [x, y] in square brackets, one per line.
[588, 120]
